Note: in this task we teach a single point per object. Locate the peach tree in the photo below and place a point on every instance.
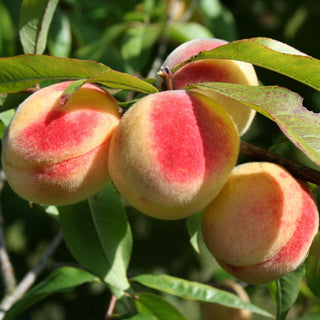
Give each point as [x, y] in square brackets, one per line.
[101, 227]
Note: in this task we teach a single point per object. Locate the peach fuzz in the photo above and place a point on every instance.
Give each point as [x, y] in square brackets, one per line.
[172, 153]
[57, 153]
[261, 224]
[213, 70]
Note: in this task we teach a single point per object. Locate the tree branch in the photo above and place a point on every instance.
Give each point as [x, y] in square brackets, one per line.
[298, 170]
[30, 277]
[7, 271]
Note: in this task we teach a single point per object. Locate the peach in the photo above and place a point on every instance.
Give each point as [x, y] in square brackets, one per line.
[261, 224]
[214, 311]
[172, 152]
[213, 70]
[56, 153]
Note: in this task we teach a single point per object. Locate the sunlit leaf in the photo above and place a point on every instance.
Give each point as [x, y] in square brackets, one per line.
[21, 72]
[196, 291]
[158, 307]
[281, 105]
[137, 44]
[185, 31]
[60, 37]
[119, 80]
[59, 280]
[269, 54]
[35, 19]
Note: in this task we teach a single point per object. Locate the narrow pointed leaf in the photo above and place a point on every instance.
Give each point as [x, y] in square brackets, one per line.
[59, 280]
[158, 307]
[99, 237]
[119, 80]
[142, 316]
[282, 106]
[193, 224]
[21, 72]
[113, 229]
[35, 19]
[270, 54]
[288, 288]
[196, 291]
[313, 266]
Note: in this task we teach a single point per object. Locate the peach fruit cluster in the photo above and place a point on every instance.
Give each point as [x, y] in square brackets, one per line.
[172, 154]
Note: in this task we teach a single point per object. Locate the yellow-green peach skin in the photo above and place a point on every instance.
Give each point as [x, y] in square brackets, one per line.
[172, 152]
[56, 153]
[262, 223]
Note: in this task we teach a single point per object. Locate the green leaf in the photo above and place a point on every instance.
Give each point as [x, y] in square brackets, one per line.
[142, 316]
[270, 54]
[196, 291]
[137, 43]
[119, 80]
[281, 105]
[313, 266]
[7, 34]
[35, 19]
[218, 18]
[99, 48]
[193, 224]
[59, 280]
[185, 31]
[21, 72]
[311, 316]
[99, 237]
[158, 307]
[288, 288]
[5, 118]
[60, 37]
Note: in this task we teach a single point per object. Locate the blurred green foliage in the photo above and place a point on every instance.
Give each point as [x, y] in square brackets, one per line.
[135, 36]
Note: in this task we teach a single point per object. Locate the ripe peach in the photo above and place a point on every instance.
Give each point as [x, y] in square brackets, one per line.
[56, 154]
[213, 311]
[213, 70]
[172, 152]
[261, 224]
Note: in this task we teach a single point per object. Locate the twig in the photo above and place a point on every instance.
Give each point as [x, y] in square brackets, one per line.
[112, 305]
[298, 170]
[165, 75]
[7, 271]
[30, 277]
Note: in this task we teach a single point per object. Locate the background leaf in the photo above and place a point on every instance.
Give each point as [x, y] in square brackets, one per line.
[142, 316]
[59, 280]
[158, 307]
[136, 44]
[185, 31]
[288, 288]
[281, 105]
[313, 266]
[99, 237]
[193, 226]
[60, 35]
[196, 291]
[35, 19]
